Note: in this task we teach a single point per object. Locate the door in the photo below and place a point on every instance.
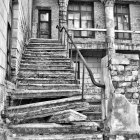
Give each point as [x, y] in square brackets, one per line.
[44, 29]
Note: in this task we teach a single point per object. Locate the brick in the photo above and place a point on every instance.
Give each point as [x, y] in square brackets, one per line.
[132, 56]
[135, 72]
[128, 95]
[131, 78]
[118, 78]
[118, 68]
[120, 60]
[124, 84]
[131, 68]
[135, 95]
[132, 90]
[119, 91]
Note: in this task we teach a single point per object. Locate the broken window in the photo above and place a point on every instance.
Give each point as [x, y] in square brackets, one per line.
[122, 20]
[80, 15]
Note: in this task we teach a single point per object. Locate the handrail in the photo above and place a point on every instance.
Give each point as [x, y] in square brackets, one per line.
[82, 58]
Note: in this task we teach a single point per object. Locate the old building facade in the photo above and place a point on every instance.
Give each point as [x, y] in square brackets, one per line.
[98, 28]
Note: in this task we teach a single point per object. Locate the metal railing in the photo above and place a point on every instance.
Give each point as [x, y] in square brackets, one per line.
[68, 38]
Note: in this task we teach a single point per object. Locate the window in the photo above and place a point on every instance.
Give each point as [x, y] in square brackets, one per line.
[122, 21]
[80, 15]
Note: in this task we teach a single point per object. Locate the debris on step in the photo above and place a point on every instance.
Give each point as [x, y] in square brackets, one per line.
[67, 116]
[43, 109]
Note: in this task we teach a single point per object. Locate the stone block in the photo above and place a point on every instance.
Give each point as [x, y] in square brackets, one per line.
[134, 62]
[135, 95]
[118, 68]
[120, 60]
[67, 116]
[131, 78]
[128, 95]
[118, 78]
[132, 56]
[124, 84]
[132, 90]
[113, 73]
[119, 91]
[135, 72]
[131, 68]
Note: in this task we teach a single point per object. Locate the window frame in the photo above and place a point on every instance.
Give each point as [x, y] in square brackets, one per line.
[122, 14]
[80, 11]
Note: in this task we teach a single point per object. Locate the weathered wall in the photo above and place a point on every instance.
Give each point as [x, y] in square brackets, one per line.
[53, 5]
[4, 10]
[121, 93]
[20, 29]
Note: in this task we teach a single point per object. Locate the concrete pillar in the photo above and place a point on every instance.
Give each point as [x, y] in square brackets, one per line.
[110, 34]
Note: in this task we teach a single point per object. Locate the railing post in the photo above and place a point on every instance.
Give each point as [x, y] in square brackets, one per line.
[76, 67]
[83, 81]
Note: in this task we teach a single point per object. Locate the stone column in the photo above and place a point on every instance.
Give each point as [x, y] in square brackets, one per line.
[63, 4]
[110, 34]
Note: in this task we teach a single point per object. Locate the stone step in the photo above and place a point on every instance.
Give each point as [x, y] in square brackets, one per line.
[48, 55]
[61, 75]
[38, 49]
[53, 128]
[48, 86]
[44, 62]
[95, 136]
[52, 59]
[47, 70]
[29, 94]
[44, 47]
[44, 109]
[46, 52]
[43, 66]
[46, 81]
[42, 40]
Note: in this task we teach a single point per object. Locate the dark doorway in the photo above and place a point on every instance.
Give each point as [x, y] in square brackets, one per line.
[44, 29]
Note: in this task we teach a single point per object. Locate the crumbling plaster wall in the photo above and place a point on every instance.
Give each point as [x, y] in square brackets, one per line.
[120, 76]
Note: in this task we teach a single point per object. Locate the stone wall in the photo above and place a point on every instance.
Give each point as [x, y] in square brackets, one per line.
[54, 7]
[20, 29]
[120, 76]
[124, 73]
[4, 10]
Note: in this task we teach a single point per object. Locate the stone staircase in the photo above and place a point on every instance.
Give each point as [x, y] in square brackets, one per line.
[45, 86]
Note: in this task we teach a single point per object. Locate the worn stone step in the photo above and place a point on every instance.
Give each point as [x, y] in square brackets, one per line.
[95, 136]
[48, 86]
[44, 62]
[47, 70]
[42, 40]
[43, 66]
[25, 74]
[46, 80]
[48, 55]
[29, 94]
[44, 109]
[45, 47]
[53, 128]
[44, 58]
[44, 50]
